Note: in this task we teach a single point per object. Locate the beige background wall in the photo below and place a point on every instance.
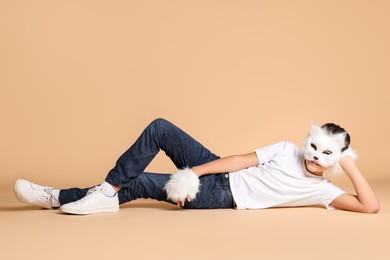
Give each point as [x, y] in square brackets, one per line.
[80, 79]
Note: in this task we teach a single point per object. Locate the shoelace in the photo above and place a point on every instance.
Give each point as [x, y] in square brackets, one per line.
[93, 190]
[47, 198]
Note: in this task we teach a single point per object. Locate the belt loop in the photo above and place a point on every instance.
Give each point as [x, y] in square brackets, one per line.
[225, 177]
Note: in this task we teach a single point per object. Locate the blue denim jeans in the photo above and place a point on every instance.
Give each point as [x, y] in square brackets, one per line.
[182, 149]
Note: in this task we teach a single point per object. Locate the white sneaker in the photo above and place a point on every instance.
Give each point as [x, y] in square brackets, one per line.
[94, 202]
[31, 193]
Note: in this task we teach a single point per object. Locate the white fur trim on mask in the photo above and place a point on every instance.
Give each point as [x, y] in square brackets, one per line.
[336, 169]
[182, 184]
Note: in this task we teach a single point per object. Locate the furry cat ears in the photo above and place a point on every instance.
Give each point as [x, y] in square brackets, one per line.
[316, 132]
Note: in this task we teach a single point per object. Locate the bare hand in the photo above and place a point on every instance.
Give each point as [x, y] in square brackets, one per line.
[180, 203]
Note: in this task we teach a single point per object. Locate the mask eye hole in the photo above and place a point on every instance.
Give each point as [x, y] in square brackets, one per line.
[313, 146]
[327, 152]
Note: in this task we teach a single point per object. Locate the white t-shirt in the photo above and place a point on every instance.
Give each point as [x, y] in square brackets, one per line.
[281, 180]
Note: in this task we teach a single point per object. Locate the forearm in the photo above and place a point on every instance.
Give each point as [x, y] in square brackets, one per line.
[227, 164]
[364, 192]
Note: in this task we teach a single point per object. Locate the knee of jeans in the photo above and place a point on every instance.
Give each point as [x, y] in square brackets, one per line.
[160, 122]
[161, 125]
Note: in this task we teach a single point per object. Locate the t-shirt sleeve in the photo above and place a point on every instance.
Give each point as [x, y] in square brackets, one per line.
[269, 152]
[331, 192]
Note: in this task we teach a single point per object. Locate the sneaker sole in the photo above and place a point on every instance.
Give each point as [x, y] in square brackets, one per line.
[87, 212]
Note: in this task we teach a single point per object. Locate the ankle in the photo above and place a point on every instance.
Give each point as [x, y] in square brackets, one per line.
[116, 188]
[108, 189]
[55, 202]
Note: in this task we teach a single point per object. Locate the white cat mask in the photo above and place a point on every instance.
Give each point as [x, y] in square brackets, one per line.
[326, 149]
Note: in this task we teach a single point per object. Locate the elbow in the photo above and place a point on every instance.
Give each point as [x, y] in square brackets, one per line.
[373, 209]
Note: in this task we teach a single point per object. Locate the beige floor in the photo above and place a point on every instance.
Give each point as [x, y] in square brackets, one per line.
[147, 229]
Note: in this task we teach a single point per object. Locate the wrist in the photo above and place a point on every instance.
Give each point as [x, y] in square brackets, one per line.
[349, 167]
[345, 160]
[196, 170]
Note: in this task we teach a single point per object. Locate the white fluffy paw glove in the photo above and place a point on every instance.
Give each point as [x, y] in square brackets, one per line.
[336, 169]
[183, 184]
